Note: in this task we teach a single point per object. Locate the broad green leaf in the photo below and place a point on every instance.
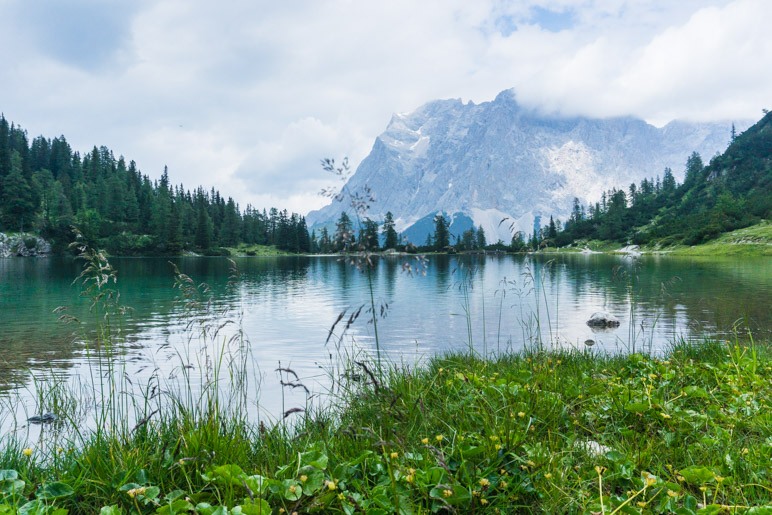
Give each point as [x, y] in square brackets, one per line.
[257, 507]
[314, 458]
[696, 391]
[177, 506]
[710, 509]
[228, 474]
[110, 510]
[8, 474]
[291, 490]
[35, 507]
[314, 480]
[697, 475]
[54, 491]
[637, 407]
[11, 486]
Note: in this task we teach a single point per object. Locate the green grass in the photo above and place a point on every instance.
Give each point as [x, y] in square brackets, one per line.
[533, 432]
[257, 250]
[750, 241]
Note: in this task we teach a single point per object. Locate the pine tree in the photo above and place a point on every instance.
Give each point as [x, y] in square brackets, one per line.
[391, 239]
[441, 238]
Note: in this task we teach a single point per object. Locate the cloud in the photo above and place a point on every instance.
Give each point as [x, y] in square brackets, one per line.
[247, 96]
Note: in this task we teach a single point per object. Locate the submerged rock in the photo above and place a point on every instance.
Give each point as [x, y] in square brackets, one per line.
[603, 320]
[45, 418]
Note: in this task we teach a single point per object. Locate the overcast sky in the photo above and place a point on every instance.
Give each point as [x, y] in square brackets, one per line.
[248, 95]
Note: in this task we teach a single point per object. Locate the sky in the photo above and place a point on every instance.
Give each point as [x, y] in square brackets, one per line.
[248, 96]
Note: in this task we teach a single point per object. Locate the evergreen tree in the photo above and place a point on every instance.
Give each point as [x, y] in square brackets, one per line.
[368, 235]
[344, 233]
[391, 239]
[18, 201]
[441, 238]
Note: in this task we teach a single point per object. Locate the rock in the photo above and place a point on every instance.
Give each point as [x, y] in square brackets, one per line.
[23, 245]
[603, 320]
[45, 418]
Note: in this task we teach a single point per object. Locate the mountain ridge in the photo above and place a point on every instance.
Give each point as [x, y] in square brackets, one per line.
[498, 159]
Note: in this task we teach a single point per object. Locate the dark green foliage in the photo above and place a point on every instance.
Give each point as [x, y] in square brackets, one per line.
[391, 239]
[441, 240]
[45, 187]
[731, 192]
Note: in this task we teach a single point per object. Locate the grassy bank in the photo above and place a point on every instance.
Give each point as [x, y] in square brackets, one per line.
[690, 432]
[750, 241]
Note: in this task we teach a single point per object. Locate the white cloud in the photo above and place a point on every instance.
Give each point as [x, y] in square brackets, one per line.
[247, 96]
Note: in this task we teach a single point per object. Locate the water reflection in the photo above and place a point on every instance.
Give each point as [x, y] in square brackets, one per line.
[286, 306]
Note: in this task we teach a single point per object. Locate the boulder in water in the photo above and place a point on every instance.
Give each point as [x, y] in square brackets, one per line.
[603, 320]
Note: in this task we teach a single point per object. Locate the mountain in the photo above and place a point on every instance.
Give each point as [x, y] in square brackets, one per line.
[484, 163]
[732, 192]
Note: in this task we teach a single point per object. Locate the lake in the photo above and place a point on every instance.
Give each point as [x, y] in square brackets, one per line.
[287, 307]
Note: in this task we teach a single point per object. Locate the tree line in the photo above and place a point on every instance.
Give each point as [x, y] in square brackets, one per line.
[47, 188]
[731, 192]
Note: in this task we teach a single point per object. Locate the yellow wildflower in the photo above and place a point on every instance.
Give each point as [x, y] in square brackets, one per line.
[331, 485]
[27, 452]
[484, 482]
[671, 493]
[447, 493]
[394, 455]
[520, 414]
[548, 475]
[483, 501]
[439, 438]
[503, 484]
[137, 491]
[303, 478]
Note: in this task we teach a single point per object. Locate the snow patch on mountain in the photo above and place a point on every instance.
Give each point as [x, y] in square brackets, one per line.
[497, 160]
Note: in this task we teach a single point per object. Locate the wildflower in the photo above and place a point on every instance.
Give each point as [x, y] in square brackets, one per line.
[59, 450]
[483, 501]
[503, 484]
[282, 510]
[410, 478]
[331, 485]
[439, 438]
[745, 451]
[650, 479]
[494, 438]
[548, 475]
[303, 478]
[27, 452]
[484, 482]
[720, 479]
[425, 441]
[498, 447]
[641, 504]
[530, 463]
[521, 414]
[599, 469]
[394, 455]
[137, 491]
[703, 489]
[341, 497]
[664, 415]
[671, 493]
[447, 493]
